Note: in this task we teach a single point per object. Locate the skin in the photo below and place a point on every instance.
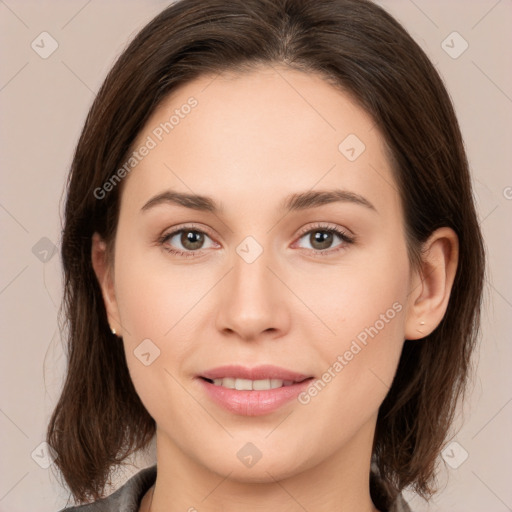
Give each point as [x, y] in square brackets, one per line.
[253, 139]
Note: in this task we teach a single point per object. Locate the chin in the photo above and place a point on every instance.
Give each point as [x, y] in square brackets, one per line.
[250, 465]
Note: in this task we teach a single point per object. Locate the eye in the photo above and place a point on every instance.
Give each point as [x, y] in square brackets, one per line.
[189, 238]
[188, 241]
[321, 238]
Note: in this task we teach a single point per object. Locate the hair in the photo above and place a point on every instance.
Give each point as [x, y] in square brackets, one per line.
[99, 419]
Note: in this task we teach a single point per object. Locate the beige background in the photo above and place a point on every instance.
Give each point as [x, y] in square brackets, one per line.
[43, 105]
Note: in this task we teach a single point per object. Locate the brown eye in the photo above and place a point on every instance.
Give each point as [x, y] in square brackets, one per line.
[186, 241]
[320, 239]
[191, 240]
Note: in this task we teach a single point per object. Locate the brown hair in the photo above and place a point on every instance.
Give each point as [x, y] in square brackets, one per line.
[99, 419]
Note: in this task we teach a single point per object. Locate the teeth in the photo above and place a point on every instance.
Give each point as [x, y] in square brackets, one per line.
[249, 385]
[275, 383]
[261, 384]
[243, 384]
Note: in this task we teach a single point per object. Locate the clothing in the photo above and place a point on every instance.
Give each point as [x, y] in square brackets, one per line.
[128, 497]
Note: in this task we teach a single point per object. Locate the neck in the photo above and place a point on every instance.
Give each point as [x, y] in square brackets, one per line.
[338, 483]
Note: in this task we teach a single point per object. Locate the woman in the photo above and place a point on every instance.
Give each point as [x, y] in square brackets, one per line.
[272, 263]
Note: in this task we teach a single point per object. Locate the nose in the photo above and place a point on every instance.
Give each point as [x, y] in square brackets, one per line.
[252, 301]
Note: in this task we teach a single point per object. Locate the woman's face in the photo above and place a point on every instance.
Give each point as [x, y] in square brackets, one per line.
[261, 281]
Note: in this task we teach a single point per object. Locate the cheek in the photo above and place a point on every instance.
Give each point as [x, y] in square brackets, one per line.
[159, 308]
[151, 305]
[361, 351]
[368, 291]
[152, 299]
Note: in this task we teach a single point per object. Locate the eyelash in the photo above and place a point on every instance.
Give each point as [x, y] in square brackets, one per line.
[320, 227]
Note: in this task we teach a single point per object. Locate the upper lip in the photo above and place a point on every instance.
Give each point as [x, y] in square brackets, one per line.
[256, 373]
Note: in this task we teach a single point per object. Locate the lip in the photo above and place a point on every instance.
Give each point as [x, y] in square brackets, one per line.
[253, 402]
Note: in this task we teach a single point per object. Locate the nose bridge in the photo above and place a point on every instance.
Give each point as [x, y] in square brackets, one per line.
[252, 302]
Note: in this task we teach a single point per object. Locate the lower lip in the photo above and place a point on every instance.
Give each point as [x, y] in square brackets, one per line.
[254, 402]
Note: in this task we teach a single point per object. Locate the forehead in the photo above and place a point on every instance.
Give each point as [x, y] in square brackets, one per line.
[266, 132]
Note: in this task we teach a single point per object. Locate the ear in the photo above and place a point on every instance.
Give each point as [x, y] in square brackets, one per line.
[431, 285]
[104, 273]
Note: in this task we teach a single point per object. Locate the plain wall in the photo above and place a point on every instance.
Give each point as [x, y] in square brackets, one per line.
[43, 104]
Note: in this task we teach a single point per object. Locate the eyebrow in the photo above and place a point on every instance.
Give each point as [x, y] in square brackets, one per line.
[294, 202]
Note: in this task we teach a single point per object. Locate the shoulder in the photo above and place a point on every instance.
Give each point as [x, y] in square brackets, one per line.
[125, 499]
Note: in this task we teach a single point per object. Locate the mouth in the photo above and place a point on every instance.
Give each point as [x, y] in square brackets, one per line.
[252, 391]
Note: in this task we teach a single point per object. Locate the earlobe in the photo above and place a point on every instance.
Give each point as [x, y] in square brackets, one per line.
[103, 271]
[431, 287]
